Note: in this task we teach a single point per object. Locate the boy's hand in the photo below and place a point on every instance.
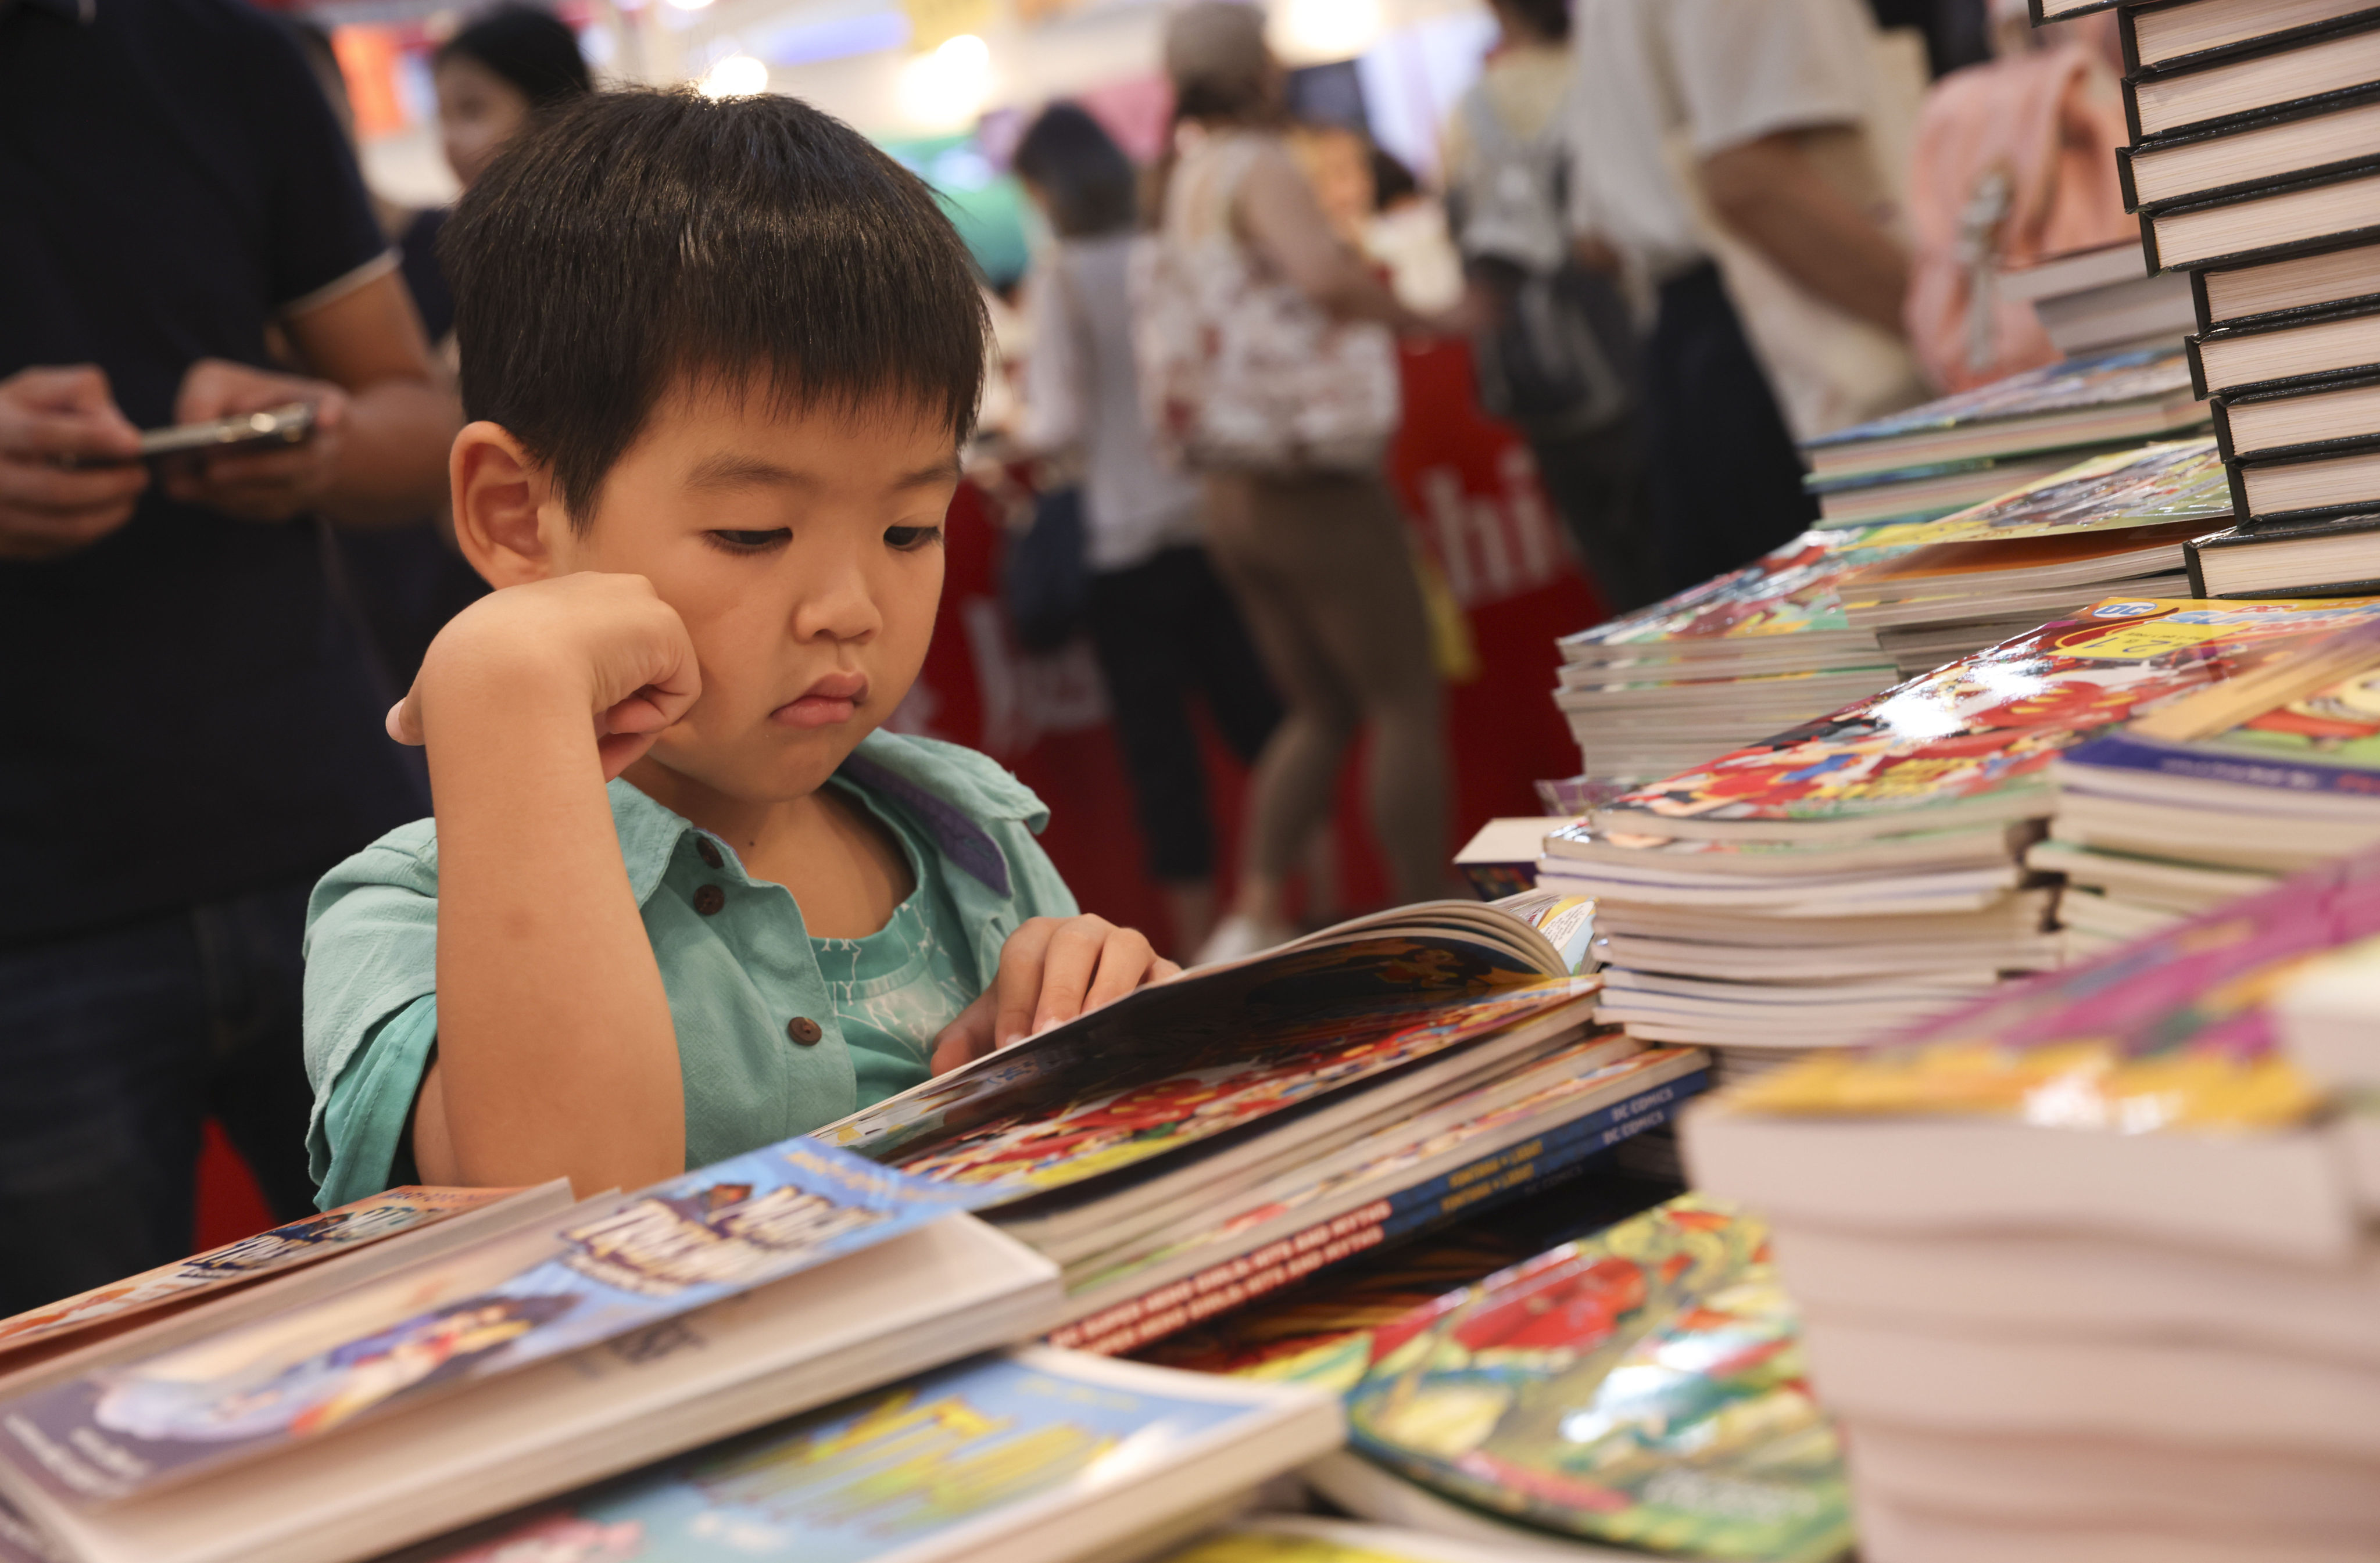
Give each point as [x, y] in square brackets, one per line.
[606, 643]
[262, 485]
[1052, 970]
[49, 415]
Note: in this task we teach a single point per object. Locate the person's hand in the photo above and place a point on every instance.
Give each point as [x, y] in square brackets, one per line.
[1051, 970]
[49, 416]
[606, 646]
[272, 484]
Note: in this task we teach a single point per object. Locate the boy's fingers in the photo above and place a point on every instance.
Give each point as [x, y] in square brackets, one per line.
[1125, 961]
[1068, 969]
[966, 1038]
[1019, 982]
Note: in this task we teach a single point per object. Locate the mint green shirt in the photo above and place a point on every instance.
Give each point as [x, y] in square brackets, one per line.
[746, 986]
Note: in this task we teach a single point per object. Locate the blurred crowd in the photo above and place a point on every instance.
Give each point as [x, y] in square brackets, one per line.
[1677, 236]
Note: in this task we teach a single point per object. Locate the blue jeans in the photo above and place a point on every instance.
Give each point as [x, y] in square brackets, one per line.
[115, 1046]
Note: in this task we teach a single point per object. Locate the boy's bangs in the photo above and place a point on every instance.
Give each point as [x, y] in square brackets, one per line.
[753, 244]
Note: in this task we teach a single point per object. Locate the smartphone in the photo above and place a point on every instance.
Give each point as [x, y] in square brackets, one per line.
[288, 425]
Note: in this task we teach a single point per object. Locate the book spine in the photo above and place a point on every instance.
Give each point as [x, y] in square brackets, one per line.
[2119, 753]
[2222, 416]
[2132, 115]
[2236, 475]
[2197, 365]
[1502, 1174]
[2128, 34]
[2197, 573]
[2124, 179]
[2149, 243]
[2198, 301]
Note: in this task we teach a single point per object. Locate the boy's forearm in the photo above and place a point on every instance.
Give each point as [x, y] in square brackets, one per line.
[556, 1051]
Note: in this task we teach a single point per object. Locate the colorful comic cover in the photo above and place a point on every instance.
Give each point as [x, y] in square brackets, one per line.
[284, 1248]
[311, 1370]
[2170, 1031]
[2163, 485]
[888, 1475]
[1789, 590]
[1057, 1144]
[1642, 1387]
[2071, 386]
[1990, 722]
[1326, 1331]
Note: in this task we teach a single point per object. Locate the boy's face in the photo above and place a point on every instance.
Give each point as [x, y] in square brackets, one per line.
[804, 551]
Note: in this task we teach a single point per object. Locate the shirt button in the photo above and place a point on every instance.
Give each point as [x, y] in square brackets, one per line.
[709, 854]
[709, 899]
[804, 1030]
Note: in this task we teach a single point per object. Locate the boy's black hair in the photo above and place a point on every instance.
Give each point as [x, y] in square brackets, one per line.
[640, 237]
[1090, 184]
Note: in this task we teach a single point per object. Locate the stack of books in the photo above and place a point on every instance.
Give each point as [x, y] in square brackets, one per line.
[1930, 591]
[2085, 1271]
[1848, 879]
[435, 1359]
[2104, 300]
[1739, 656]
[2220, 795]
[2255, 167]
[1941, 457]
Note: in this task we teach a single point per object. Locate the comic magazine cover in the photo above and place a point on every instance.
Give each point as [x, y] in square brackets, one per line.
[2168, 1031]
[1060, 1141]
[284, 1248]
[1986, 724]
[1788, 591]
[1413, 968]
[886, 1476]
[739, 1224]
[1642, 1387]
[2147, 375]
[2163, 485]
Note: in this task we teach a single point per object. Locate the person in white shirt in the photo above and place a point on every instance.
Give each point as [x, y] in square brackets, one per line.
[1697, 121]
[1162, 625]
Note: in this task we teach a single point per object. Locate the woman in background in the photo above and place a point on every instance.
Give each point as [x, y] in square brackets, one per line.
[1162, 624]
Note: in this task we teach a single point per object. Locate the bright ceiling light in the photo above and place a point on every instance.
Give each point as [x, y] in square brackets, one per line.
[1317, 31]
[689, 5]
[946, 90]
[737, 76]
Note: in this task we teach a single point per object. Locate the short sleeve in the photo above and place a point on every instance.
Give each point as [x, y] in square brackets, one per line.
[321, 233]
[372, 967]
[1052, 420]
[1748, 68]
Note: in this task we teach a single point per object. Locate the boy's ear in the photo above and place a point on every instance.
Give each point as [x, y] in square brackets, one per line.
[507, 515]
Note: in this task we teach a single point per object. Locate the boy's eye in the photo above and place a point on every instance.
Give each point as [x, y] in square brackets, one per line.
[906, 539]
[749, 542]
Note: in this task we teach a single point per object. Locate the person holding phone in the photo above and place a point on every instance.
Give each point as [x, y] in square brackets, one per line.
[197, 735]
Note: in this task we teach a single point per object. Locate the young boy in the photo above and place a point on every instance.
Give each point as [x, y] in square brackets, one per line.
[681, 898]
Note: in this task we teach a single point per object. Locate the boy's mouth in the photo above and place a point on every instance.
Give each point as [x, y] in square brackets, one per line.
[831, 699]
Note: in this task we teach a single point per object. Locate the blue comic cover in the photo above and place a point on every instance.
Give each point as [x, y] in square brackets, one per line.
[671, 1249]
[878, 1477]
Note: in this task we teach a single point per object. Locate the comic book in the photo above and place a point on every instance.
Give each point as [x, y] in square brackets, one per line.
[1037, 1455]
[2161, 485]
[1301, 1538]
[2136, 395]
[283, 1249]
[1642, 1386]
[1970, 744]
[1782, 603]
[626, 1263]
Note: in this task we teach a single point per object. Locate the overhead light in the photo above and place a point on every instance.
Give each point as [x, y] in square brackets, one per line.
[737, 76]
[946, 90]
[1320, 31]
[689, 5]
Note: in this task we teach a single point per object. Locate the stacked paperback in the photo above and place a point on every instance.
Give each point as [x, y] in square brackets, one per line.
[2254, 168]
[2086, 1269]
[1851, 878]
[2101, 301]
[1936, 459]
[2220, 795]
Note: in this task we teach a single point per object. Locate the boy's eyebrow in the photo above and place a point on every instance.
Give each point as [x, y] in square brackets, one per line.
[727, 470]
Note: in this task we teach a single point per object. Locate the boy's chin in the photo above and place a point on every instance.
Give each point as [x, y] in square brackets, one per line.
[775, 768]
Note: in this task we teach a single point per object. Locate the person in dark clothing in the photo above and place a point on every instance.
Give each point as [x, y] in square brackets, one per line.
[208, 737]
